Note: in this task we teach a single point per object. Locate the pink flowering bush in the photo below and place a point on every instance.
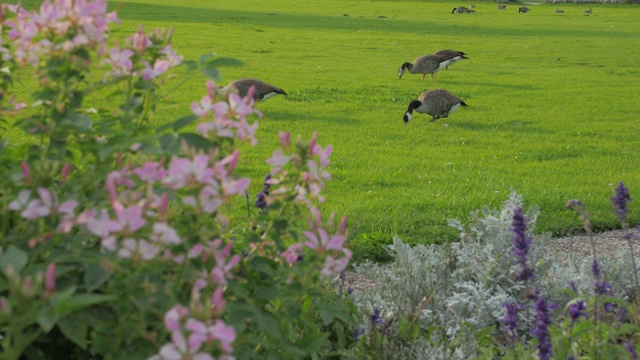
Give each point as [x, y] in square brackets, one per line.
[116, 240]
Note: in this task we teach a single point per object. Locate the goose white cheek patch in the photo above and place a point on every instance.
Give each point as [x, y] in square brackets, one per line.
[409, 116]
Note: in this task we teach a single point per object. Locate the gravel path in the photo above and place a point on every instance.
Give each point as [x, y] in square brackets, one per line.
[606, 243]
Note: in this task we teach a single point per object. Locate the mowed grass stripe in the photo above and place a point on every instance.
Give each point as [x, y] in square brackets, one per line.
[553, 110]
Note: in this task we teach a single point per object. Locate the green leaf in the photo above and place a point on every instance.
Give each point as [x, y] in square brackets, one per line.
[211, 72]
[205, 57]
[170, 144]
[14, 257]
[334, 311]
[238, 312]
[47, 318]
[224, 61]
[190, 64]
[312, 342]
[79, 301]
[265, 293]
[75, 327]
[180, 123]
[269, 325]
[197, 141]
[95, 276]
[78, 121]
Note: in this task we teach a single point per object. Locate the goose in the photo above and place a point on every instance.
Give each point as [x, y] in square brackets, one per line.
[263, 90]
[453, 56]
[427, 64]
[558, 11]
[473, 6]
[523, 10]
[501, 7]
[459, 10]
[588, 11]
[438, 103]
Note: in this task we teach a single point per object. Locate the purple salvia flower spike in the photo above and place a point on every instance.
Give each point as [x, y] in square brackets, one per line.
[521, 245]
[541, 329]
[620, 200]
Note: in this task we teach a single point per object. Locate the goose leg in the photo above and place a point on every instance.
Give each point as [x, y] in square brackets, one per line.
[433, 78]
[423, 76]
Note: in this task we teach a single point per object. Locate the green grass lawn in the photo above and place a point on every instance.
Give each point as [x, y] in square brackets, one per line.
[553, 103]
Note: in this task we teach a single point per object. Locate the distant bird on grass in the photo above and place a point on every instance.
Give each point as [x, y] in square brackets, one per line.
[473, 6]
[501, 7]
[437, 103]
[453, 56]
[263, 91]
[427, 64]
[461, 10]
[558, 11]
[587, 12]
[523, 9]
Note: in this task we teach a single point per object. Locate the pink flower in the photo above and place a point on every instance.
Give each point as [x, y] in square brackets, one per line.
[222, 271]
[139, 40]
[26, 172]
[102, 226]
[218, 127]
[21, 202]
[246, 132]
[210, 199]
[159, 67]
[198, 333]
[174, 316]
[183, 172]
[217, 299]
[277, 161]
[39, 207]
[132, 247]
[172, 57]
[324, 154]
[292, 253]
[120, 61]
[334, 266]
[202, 109]
[50, 278]
[163, 233]
[150, 172]
[178, 349]
[242, 107]
[285, 139]
[225, 334]
[65, 172]
[130, 219]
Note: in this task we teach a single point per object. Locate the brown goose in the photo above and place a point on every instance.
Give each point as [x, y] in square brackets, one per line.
[523, 9]
[427, 64]
[501, 7]
[263, 90]
[453, 56]
[437, 103]
[558, 11]
[461, 10]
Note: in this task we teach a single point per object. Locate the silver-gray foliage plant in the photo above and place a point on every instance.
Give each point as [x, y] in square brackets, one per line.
[453, 286]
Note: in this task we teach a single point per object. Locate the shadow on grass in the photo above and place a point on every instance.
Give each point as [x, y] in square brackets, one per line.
[466, 82]
[171, 14]
[289, 116]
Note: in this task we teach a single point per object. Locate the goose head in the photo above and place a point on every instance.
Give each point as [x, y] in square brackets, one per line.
[403, 69]
[409, 114]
